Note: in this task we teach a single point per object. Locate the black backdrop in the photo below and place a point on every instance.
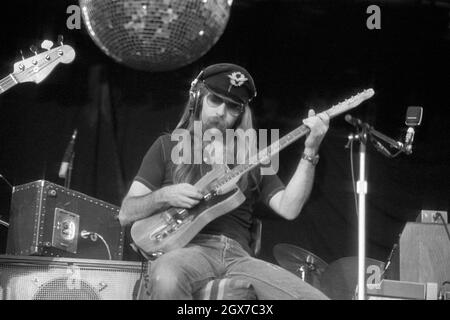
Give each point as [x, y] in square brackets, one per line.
[300, 54]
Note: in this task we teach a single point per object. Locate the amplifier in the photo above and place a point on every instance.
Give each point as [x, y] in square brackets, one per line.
[46, 278]
[402, 290]
[49, 220]
[423, 254]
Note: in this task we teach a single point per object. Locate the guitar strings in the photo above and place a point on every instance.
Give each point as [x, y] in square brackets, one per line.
[281, 144]
[7, 83]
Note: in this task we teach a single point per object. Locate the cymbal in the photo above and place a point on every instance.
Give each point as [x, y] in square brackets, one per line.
[294, 258]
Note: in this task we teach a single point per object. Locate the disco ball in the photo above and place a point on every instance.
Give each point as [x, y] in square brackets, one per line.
[155, 35]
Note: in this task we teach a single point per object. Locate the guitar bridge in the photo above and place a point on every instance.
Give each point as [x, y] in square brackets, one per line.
[155, 255]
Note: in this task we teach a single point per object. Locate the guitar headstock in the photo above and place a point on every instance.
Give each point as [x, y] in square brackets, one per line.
[360, 97]
[351, 102]
[36, 68]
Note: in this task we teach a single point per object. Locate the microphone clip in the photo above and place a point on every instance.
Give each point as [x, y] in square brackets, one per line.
[367, 131]
[409, 138]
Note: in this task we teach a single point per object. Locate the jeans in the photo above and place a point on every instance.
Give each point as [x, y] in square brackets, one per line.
[177, 274]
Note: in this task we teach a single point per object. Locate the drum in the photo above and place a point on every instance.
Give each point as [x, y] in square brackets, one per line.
[340, 279]
[301, 262]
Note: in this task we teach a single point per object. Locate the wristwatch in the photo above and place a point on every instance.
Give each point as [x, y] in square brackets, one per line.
[313, 159]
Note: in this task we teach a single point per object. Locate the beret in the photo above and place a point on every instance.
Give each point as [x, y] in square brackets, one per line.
[230, 82]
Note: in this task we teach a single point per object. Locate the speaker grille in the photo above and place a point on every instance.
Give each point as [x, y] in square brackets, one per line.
[42, 278]
[58, 289]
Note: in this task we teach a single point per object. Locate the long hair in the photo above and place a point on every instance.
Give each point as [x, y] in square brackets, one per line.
[192, 112]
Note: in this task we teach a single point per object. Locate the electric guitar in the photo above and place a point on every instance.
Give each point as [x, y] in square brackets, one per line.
[38, 67]
[175, 227]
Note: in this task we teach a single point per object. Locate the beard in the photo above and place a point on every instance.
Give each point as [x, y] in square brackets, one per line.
[215, 123]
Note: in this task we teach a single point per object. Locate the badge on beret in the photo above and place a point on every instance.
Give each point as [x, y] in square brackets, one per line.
[237, 79]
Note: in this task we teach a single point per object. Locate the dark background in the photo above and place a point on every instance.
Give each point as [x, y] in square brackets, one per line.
[301, 54]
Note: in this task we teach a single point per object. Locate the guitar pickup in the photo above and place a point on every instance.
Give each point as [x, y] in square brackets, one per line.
[209, 195]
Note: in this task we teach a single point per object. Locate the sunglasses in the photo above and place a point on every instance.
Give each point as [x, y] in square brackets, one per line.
[215, 101]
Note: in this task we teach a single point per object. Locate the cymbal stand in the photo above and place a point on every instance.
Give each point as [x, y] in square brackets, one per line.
[302, 271]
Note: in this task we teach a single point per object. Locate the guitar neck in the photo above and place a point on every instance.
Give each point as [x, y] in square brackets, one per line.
[7, 83]
[264, 155]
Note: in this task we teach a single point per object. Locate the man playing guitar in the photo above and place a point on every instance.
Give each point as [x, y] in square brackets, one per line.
[219, 100]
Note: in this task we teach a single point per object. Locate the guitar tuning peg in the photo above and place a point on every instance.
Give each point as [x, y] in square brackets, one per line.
[46, 44]
[60, 40]
[21, 65]
[33, 49]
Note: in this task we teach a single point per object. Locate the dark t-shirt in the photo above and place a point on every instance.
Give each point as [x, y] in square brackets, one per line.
[156, 171]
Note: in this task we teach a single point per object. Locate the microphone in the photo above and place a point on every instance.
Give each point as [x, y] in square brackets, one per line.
[413, 119]
[409, 138]
[355, 121]
[67, 155]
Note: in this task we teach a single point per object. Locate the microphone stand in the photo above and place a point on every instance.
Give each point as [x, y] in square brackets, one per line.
[68, 178]
[363, 131]
[361, 189]
[394, 144]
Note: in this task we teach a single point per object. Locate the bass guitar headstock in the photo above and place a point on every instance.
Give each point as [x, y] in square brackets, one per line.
[36, 68]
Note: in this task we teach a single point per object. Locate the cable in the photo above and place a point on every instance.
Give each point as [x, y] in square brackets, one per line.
[389, 260]
[445, 290]
[144, 279]
[4, 223]
[6, 180]
[396, 154]
[444, 295]
[443, 223]
[106, 245]
[93, 236]
[353, 177]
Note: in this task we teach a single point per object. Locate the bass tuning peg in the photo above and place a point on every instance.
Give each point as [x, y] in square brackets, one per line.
[46, 44]
[60, 40]
[33, 49]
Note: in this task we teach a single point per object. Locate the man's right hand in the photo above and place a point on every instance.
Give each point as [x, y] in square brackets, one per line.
[182, 195]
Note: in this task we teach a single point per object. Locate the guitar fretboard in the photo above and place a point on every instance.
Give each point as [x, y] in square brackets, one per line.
[7, 83]
[265, 154]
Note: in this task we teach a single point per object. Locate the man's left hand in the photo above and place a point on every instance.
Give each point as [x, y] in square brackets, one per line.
[319, 126]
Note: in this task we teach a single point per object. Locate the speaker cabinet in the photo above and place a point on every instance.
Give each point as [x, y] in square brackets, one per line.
[423, 255]
[45, 278]
[47, 219]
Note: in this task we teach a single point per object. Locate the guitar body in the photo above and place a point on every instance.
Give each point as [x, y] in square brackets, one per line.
[156, 234]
